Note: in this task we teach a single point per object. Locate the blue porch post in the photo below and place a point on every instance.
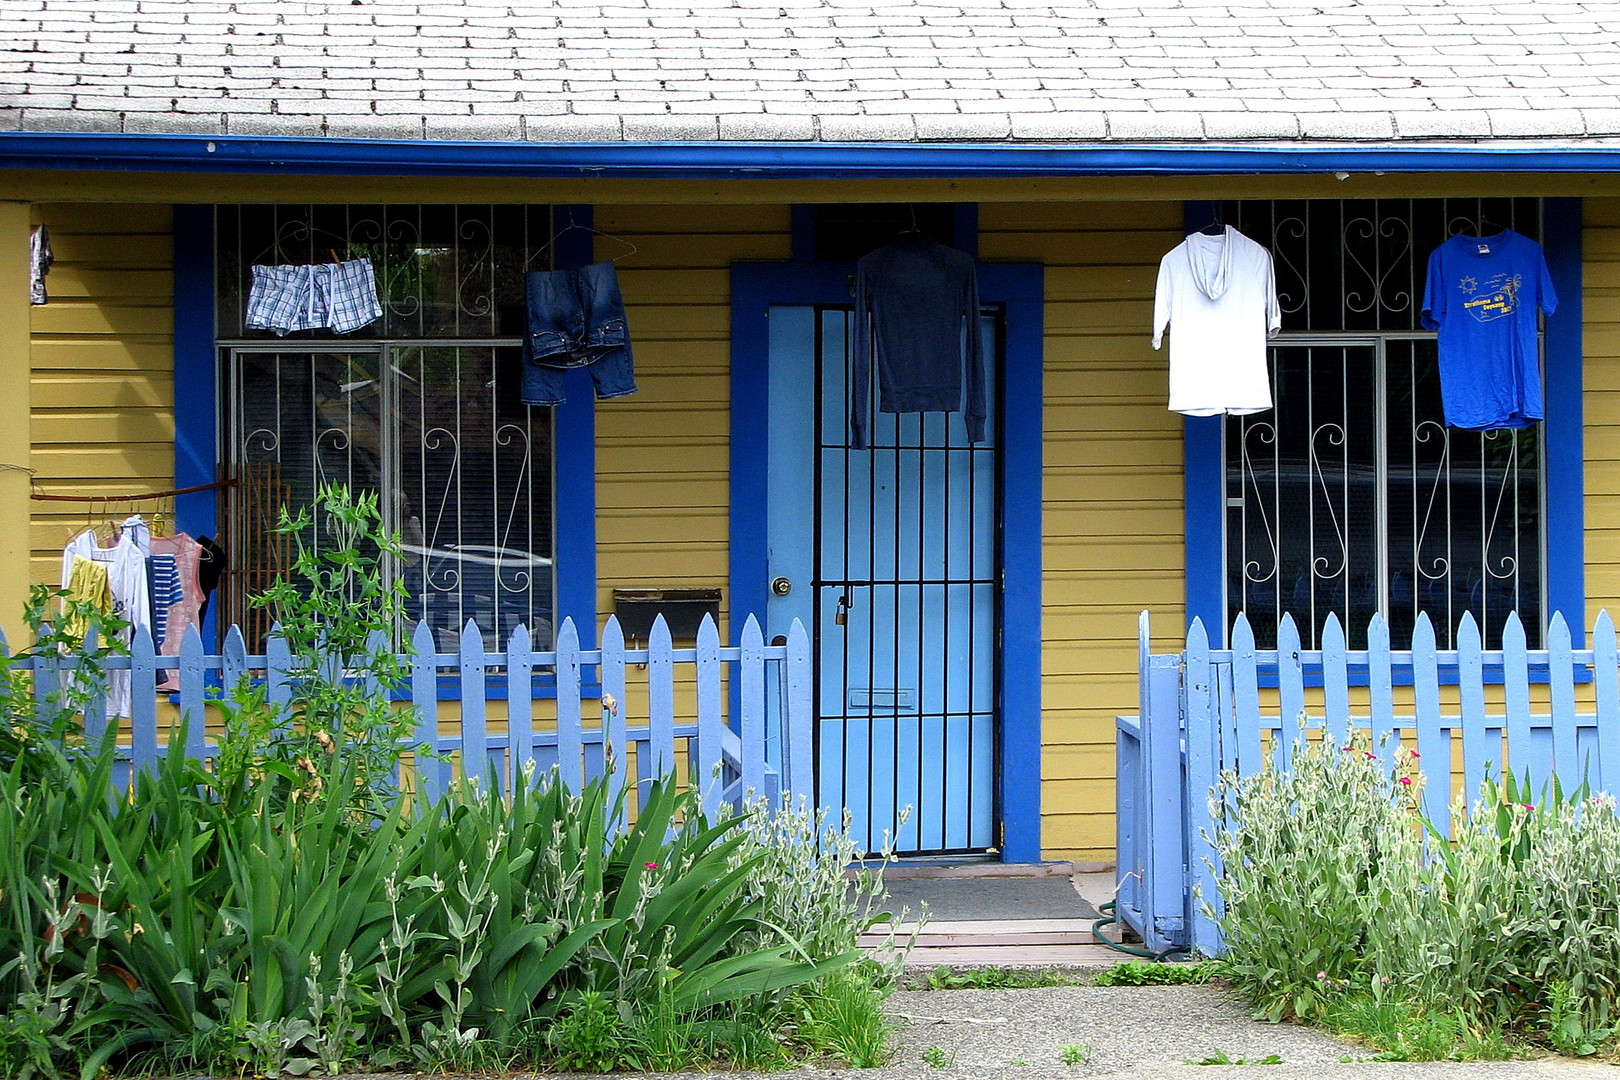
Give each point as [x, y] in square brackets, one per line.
[574, 436]
[196, 382]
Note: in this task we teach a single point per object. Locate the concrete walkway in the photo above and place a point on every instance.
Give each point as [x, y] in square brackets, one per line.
[1133, 1033]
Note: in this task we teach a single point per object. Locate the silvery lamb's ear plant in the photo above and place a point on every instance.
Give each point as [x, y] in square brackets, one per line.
[1341, 899]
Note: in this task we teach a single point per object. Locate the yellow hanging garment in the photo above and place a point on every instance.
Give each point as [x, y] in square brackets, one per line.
[89, 583]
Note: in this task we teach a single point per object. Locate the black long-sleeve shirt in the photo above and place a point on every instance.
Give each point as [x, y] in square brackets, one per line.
[919, 295]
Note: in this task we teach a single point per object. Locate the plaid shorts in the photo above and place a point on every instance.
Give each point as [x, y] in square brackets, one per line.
[338, 296]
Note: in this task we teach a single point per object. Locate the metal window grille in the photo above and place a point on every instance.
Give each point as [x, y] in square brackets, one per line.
[421, 408]
[1351, 496]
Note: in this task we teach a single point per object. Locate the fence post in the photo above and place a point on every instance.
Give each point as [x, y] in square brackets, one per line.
[1561, 676]
[1471, 699]
[1290, 694]
[1202, 753]
[1606, 673]
[191, 693]
[142, 706]
[1247, 756]
[474, 731]
[660, 701]
[570, 760]
[430, 770]
[615, 748]
[1381, 692]
[1431, 745]
[1335, 682]
[708, 759]
[520, 704]
[1522, 759]
[1165, 884]
[798, 735]
[753, 709]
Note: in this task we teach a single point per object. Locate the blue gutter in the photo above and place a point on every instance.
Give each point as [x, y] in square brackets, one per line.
[787, 160]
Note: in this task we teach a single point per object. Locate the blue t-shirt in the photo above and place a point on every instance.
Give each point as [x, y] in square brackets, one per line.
[1482, 294]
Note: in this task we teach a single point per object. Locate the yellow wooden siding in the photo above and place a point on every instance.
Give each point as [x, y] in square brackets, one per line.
[663, 454]
[1112, 498]
[102, 358]
[1600, 310]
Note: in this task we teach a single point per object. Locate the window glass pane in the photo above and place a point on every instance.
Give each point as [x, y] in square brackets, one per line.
[1464, 511]
[1351, 495]
[302, 419]
[1302, 504]
[441, 271]
[473, 494]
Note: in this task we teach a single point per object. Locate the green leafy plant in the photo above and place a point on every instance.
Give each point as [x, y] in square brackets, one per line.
[842, 1017]
[937, 1057]
[1220, 1057]
[590, 1037]
[338, 612]
[1074, 1054]
[1138, 973]
[943, 978]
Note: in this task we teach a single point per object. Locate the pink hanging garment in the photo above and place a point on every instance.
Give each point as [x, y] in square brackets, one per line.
[185, 614]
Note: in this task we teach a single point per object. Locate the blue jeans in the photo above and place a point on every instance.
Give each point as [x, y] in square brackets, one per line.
[576, 319]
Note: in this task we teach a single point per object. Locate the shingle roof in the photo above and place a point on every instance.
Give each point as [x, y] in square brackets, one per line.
[828, 70]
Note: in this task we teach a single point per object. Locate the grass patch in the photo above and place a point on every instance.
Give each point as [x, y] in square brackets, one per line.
[1402, 1030]
[1139, 973]
[943, 978]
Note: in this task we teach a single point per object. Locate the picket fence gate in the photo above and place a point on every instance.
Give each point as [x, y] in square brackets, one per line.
[1202, 713]
[765, 749]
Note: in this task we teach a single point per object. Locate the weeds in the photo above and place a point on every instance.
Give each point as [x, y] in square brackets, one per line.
[1074, 1054]
[288, 912]
[1344, 906]
[1137, 973]
[936, 1057]
[943, 978]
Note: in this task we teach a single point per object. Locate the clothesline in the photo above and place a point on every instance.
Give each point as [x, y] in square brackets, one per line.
[138, 496]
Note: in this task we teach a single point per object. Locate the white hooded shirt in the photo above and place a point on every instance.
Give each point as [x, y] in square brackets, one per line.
[1218, 295]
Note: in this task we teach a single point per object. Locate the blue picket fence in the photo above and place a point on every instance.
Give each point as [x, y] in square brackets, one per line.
[1204, 711]
[756, 739]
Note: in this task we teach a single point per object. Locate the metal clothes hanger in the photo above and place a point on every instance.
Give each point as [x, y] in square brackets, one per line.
[300, 230]
[1216, 227]
[915, 229]
[573, 225]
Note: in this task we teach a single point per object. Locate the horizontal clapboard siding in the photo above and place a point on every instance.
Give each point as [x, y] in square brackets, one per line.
[102, 354]
[1113, 513]
[1601, 401]
[663, 454]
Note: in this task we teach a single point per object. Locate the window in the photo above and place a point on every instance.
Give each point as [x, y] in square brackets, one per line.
[1351, 496]
[422, 408]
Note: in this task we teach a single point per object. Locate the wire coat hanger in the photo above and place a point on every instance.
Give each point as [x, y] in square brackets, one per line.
[1216, 227]
[294, 231]
[572, 226]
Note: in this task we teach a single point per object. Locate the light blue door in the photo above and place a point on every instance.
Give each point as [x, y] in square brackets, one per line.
[890, 554]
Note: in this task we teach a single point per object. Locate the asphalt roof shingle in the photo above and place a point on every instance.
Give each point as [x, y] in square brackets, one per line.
[829, 70]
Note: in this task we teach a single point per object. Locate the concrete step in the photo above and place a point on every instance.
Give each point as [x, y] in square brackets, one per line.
[1005, 942]
[992, 932]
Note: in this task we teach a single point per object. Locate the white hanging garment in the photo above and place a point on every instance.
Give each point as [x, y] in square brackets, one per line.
[1218, 296]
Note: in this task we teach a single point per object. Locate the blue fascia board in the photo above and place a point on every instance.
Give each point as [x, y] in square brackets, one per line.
[785, 160]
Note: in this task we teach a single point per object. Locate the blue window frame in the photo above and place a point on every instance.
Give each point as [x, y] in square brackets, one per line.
[1562, 513]
[198, 424]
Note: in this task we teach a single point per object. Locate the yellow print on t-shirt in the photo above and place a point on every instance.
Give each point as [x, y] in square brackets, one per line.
[1497, 298]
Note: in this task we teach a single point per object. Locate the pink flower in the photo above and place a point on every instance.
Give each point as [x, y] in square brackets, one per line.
[1416, 754]
[1407, 780]
[1370, 755]
[1530, 807]
[651, 865]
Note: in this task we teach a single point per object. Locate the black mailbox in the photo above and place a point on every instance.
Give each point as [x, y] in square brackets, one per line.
[682, 609]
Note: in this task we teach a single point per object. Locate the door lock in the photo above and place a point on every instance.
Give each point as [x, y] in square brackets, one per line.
[781, 586]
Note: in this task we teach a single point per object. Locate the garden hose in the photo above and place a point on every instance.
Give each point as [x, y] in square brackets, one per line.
[1146, 954]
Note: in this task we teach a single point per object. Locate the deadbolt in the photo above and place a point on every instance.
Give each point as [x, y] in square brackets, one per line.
[781, 586]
